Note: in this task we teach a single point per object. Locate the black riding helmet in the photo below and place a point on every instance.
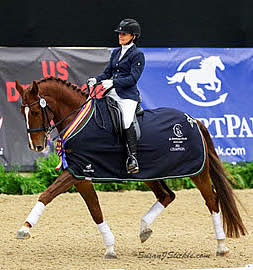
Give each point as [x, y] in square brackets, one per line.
[129, 26]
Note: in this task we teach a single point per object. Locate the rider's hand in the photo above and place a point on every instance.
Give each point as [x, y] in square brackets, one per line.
[91, 81]
[107, 84]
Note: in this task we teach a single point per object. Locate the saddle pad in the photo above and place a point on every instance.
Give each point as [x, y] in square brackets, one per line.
[170, 146]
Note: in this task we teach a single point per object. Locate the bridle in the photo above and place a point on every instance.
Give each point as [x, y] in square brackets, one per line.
[44, 110]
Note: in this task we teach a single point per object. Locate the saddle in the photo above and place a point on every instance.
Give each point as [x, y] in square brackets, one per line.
[116, 117]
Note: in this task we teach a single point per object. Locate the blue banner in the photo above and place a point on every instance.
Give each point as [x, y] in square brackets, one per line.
[214, 85]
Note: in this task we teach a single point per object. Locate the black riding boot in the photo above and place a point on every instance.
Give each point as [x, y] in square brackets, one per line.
[131, 141]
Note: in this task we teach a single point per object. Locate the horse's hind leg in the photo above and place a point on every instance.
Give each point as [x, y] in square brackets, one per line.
[86, 190]
[61, 184]
[164, 196]
[204, 185]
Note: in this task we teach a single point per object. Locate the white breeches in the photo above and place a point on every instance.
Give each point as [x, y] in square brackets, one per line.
[128, 107]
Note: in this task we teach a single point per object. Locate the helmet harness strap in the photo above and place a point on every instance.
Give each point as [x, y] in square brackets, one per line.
[131, 40]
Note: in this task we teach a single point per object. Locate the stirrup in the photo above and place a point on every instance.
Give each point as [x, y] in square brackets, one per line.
[135, 167]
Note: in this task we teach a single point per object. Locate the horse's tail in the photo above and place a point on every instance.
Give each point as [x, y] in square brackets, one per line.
[232, 221]
[178, 77]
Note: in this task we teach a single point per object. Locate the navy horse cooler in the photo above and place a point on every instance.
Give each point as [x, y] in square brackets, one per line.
[170, 146]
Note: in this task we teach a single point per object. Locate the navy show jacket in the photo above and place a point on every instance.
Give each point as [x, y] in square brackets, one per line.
[125, 72]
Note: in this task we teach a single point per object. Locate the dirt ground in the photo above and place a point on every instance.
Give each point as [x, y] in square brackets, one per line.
[67, 238]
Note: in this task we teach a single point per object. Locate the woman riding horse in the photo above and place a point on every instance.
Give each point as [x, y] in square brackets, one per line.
[55, 99]
[121, 75]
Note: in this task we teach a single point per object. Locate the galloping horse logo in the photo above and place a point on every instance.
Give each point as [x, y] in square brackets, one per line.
[205, 75]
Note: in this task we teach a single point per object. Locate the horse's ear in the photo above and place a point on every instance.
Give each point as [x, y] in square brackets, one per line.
[19, 88]
[35, 88]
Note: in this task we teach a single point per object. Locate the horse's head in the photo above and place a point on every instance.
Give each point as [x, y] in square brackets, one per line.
[216, 61]
[37, 116]
[213, 62]
[219, 63]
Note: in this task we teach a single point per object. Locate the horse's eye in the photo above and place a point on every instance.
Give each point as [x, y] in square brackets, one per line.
[35, 113]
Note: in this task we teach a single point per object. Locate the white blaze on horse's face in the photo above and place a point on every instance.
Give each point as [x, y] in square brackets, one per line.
[27, 126]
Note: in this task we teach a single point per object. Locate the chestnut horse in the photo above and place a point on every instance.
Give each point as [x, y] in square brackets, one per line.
[54, 99]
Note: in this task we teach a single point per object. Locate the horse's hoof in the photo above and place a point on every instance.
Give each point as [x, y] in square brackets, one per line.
[145, 234]
[23, 233]
[111, 256]
[222, 253]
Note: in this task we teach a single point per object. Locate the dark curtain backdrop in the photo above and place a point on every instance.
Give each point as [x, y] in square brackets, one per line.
[180, 23]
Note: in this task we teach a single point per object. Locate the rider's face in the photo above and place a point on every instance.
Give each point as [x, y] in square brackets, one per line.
[124, 38]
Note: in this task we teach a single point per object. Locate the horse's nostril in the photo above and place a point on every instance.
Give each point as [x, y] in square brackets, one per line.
[39, 148]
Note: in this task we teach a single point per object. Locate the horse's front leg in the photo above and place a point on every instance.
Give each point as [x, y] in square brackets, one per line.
[86, 190]
[61, 184]
[218, 85]
[197, 90]
[211, 86]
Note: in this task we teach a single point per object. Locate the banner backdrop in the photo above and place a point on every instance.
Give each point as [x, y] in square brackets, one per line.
[214, 85]
[211, 84]
[26, 65]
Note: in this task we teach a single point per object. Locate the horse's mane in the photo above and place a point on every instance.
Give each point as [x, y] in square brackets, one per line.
[206, 61]
[66, 83]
